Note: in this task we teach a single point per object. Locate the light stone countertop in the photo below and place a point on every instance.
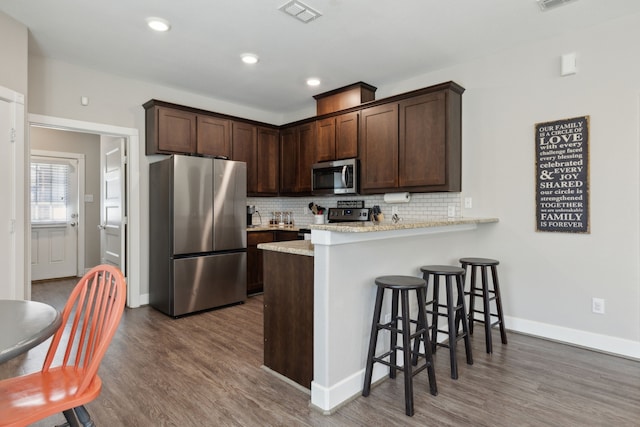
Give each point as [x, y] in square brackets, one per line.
[295, 247]
[369, 226]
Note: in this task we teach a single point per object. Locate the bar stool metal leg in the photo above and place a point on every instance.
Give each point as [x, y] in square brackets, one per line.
[406, 345]
[373, 342]
[496, 288]
[461, 311]
[487, 310]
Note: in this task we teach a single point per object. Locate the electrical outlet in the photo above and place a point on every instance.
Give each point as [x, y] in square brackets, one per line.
[597, 305]
[306, 210]
[394, 210]
[468, 202]
[451, 211]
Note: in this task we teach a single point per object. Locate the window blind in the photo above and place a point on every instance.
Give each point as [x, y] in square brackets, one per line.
[49, 192]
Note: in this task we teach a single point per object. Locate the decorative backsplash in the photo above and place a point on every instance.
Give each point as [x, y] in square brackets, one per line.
[422, 206]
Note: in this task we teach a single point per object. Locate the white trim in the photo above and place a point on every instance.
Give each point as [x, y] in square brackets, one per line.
[80, 202]
[18, 273]
[606, 344]
[133, 189]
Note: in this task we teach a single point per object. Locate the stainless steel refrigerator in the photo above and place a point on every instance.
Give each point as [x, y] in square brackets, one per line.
[198, 239]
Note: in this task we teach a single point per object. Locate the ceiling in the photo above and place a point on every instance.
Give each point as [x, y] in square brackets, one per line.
[375, 41]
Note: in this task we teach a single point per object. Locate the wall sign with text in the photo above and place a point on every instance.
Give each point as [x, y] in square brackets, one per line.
[562, 175]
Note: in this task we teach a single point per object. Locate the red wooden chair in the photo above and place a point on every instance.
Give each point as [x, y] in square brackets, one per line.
[68, 378]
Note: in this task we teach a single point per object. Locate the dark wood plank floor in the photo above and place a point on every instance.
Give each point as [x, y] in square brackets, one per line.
[204, 370]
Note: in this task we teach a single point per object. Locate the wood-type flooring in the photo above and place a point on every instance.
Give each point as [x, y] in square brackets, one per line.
[205, 370]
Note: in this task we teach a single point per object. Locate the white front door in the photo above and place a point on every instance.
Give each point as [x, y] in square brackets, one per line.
[113, 204]
[54, 217]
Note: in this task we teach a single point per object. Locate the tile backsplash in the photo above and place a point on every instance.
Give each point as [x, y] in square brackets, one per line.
[421, 206]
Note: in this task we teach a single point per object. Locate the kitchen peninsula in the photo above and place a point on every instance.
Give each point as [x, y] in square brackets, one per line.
[346, 260]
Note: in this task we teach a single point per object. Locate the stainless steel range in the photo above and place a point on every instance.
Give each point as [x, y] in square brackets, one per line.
[348, 214]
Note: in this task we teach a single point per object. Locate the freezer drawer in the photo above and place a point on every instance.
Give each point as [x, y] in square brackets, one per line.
[200, 283]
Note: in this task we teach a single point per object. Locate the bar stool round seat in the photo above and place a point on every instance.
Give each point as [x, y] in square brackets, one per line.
[454, 312]
[400, 287]
[487, 294]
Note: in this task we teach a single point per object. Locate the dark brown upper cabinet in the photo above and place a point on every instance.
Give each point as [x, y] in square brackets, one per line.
[407, 142]
[213, 136]
[268, 162]
[379, 148]
[245, 149]
[337, 137]
[297, 156]
[170, 130]
[413, 143]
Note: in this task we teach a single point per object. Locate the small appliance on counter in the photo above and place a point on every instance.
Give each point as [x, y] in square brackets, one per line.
[250, 211]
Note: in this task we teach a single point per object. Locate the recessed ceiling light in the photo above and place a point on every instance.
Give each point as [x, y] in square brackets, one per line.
[250, 58]
[158, 24]
[313, 81]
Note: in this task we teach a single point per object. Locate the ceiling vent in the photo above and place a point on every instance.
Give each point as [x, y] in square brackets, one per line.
[551, 4]
[300, 11]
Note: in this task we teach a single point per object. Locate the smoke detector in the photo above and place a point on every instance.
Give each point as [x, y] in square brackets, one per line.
[300, 11]
[551, 4]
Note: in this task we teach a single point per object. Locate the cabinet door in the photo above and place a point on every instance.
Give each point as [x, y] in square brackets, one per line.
[422, 145]
[306, 156]
[268, 161]
[288, 160]
[245, 149]
[379, 148]
[214, 136]
[176, 131]
[326, 139]
[346, 142]
[254, 259]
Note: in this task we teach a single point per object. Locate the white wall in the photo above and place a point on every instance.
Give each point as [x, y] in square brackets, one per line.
[13, 47]
[548, 279]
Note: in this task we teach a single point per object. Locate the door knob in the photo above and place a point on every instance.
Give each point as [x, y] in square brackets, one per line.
[101, 227]
[73, 224]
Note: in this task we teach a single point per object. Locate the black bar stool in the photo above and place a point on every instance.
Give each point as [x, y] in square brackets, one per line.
[487, 296]
[455, 313]
[400, 287]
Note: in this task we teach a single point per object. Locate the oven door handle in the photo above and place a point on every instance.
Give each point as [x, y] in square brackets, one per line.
[344, 176]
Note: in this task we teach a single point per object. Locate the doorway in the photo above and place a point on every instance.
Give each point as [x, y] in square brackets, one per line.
[131, 233]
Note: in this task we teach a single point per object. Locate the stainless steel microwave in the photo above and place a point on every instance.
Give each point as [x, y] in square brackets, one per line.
[337, 177]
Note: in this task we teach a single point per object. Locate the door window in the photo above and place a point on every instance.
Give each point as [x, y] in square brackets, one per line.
[49, 193]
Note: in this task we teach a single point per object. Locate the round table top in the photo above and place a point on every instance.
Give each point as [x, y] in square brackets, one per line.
[24, 325]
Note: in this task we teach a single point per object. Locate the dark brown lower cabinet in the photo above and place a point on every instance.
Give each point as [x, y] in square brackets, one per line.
[254, 255]
[288, 315]
[254, 259]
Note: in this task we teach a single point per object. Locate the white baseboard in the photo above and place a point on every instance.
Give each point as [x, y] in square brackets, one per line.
[330, 399]
[144, 299]
[603, 343]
